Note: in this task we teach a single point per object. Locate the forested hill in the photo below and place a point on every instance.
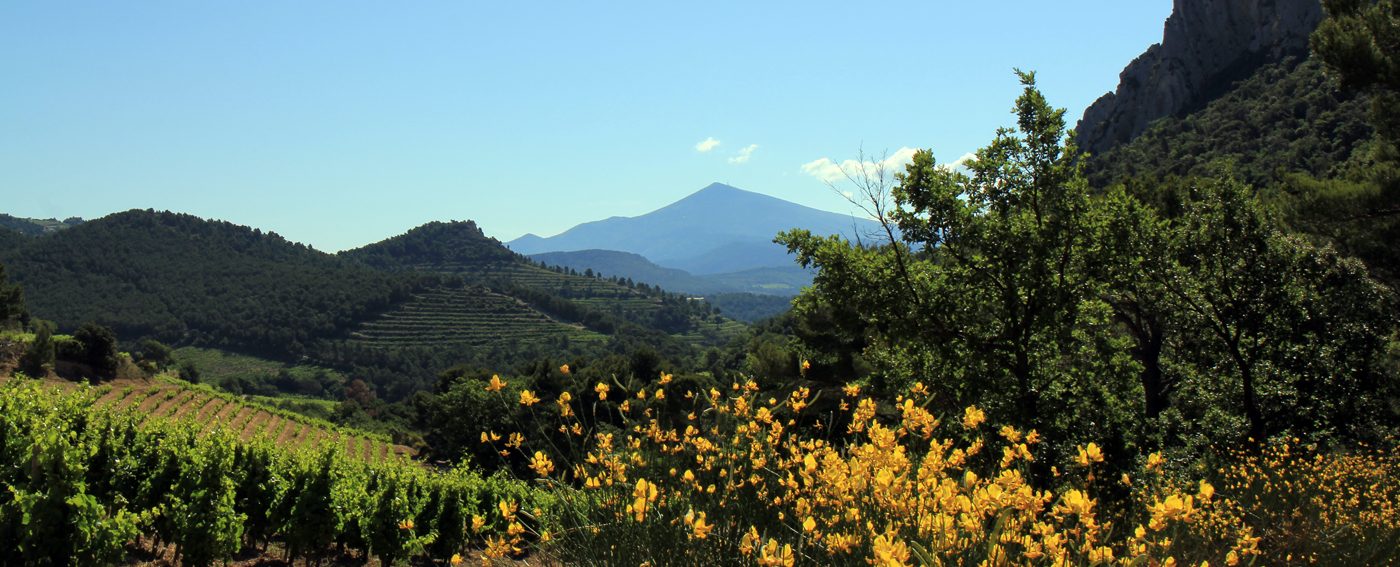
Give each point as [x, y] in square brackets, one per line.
[187, 280]
[10, 239]
[1273, 116]
[1206, 46]
[436, 245]
[395, 312]
[1286, 118]
[600, 306]
[36, 227]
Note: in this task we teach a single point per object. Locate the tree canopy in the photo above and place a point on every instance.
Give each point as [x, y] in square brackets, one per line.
[1015, 286]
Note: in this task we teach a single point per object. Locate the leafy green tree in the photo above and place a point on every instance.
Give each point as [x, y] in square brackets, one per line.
[12, 309]
[38, 358]
[99, 348]
[1360, 41]
[1136, 248]
[992, 295]
[1281, 324]
[154, 355]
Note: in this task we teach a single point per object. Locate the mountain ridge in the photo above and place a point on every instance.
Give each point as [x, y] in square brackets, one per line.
[718, 229]
[1206, 46]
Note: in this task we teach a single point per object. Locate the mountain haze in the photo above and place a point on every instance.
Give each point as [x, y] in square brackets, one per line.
[715, 230]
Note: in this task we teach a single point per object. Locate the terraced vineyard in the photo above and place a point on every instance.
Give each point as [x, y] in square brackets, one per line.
[710, 333]
[474, 316]
[163, 398]
[466, 316]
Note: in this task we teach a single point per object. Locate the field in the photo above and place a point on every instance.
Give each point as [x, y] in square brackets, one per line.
[216, 366]
[167, 398]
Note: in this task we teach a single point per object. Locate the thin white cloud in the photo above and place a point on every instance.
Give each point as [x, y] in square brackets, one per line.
[706, 145]
[828, 170]
[961, 162]
[744, 154]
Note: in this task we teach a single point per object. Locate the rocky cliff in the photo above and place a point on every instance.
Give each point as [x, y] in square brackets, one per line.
[1206, 46]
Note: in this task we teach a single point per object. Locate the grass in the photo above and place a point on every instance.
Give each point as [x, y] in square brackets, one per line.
[216, 366]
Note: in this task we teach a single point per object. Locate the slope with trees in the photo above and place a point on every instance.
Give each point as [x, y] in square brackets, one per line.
[1079, 313]
[183, 279]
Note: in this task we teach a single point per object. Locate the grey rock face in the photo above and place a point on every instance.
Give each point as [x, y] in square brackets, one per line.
[1207, 44]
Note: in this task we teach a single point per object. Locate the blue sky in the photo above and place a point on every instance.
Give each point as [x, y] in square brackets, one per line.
[339, 123]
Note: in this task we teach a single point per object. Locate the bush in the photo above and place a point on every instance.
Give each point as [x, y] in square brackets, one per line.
[38, 359]
[99, 348]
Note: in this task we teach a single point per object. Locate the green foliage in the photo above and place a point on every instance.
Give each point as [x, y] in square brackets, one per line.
[1291, 336]
[83, 482]
[308, 517]
[1358, 40]
[38, 358]
[1361, 213]
[177, 277]
[1179, 321]
[12, 307]
[48, 515]
[389, 526]
[98, 348]
[207, 527]
[993, 295]
[153, 355]
[1288, 117]
[750, 307]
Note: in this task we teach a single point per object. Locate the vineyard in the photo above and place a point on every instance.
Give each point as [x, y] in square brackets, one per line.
[483, 314]
[465, 316]
[89, 482]
[205, 409]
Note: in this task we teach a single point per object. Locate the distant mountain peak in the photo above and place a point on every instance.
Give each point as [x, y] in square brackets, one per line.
[717, 186]
[718, 229]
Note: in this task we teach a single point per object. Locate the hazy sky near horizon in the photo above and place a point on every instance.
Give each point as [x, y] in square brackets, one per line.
[339, 123]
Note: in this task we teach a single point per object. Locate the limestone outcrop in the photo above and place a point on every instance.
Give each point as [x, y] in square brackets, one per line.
[1206, 46]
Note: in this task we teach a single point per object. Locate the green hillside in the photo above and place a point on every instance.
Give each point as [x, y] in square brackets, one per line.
[188, 280]
[1286, 118]
[394, 313]
[464, 316]
[10, 239]
[36, 227]
[600, 305]
[1290, 130]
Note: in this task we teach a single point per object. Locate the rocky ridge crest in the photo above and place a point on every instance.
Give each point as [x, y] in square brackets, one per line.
[1206, 46]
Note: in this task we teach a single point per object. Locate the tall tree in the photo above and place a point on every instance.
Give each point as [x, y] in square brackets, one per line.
[12, 310]
[1277, 323]
[38, 358]
[1360, 41]
[993, 291]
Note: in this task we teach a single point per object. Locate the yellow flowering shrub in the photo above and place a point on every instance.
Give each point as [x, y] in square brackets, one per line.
[751, 478]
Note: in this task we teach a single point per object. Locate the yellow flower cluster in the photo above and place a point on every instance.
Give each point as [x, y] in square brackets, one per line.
[891, 492]
[899, 488]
